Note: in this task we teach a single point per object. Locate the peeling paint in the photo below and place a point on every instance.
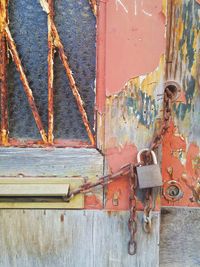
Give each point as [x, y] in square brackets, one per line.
[133, 44]
[131, 115]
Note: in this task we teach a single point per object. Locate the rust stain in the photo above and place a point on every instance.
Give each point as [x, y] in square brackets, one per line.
[93, 5]
[62, 218]
[3, 14]
[50, 74]
[4, 93]
[57, 143]
[3, 82]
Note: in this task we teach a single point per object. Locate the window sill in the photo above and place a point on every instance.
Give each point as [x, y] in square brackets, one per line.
[62, 162]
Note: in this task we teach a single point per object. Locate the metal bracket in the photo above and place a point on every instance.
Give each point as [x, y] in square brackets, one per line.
[39, 192]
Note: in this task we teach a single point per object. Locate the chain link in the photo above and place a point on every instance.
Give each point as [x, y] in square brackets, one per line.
[131, 170]
[167, 115]
[132, 222]
[147, 211]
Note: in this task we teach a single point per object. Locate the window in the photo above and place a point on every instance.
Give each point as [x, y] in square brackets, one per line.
[47, 83]
[48, 79]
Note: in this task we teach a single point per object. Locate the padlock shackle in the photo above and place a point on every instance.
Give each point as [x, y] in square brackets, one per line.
[152, 153]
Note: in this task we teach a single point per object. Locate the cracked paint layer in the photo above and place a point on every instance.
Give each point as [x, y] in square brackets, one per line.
[133, 114]
[133, 111]
[181, 144]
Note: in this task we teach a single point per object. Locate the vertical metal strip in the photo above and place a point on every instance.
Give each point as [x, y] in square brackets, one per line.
[3, 83]
[50, 74]
[93, 5]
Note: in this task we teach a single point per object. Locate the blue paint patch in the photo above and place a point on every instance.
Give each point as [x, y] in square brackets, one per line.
[143, 107]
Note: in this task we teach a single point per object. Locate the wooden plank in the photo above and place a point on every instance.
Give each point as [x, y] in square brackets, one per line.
[74, 182]
[179, 237]
[62, 162]
[37, 238]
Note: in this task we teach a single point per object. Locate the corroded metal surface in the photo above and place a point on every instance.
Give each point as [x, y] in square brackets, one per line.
[50, 74]
[3, 82]
[134, 114]
[181, 152]
[32, 75]
[93, 4]
[25, 83]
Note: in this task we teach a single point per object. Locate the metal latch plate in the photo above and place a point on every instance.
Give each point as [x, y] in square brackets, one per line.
[39, 192]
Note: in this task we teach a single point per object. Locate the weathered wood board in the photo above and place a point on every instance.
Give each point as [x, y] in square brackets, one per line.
[180, 237]
[39, 238]
[86, 163]
[63, 162]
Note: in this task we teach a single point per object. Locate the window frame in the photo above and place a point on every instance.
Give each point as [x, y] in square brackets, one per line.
[47, 138]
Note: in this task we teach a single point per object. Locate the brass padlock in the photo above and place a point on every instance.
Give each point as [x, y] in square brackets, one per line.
[148, 175]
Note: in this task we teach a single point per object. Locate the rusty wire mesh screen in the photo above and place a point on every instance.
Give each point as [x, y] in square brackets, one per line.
[76, 26]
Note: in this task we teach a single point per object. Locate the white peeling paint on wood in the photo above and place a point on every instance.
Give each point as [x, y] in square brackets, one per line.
[61, 162]
[39, 238]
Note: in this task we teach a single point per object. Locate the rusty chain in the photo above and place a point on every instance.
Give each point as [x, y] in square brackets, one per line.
[131, 170]
[167, 115]
[132, 222]
[102, 181]
[147, 211]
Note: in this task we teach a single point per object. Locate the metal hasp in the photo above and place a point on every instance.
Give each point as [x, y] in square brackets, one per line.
[149, 176]
[39, 192]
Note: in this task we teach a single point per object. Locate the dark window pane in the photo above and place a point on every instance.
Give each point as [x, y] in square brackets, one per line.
[76, 26]
[28, 25]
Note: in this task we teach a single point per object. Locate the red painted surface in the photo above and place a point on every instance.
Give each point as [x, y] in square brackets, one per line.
[93, 203]
[130, 42]
[134, 40]
[101, 50]
[186, 172]
[117, 158]
[132, 47]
